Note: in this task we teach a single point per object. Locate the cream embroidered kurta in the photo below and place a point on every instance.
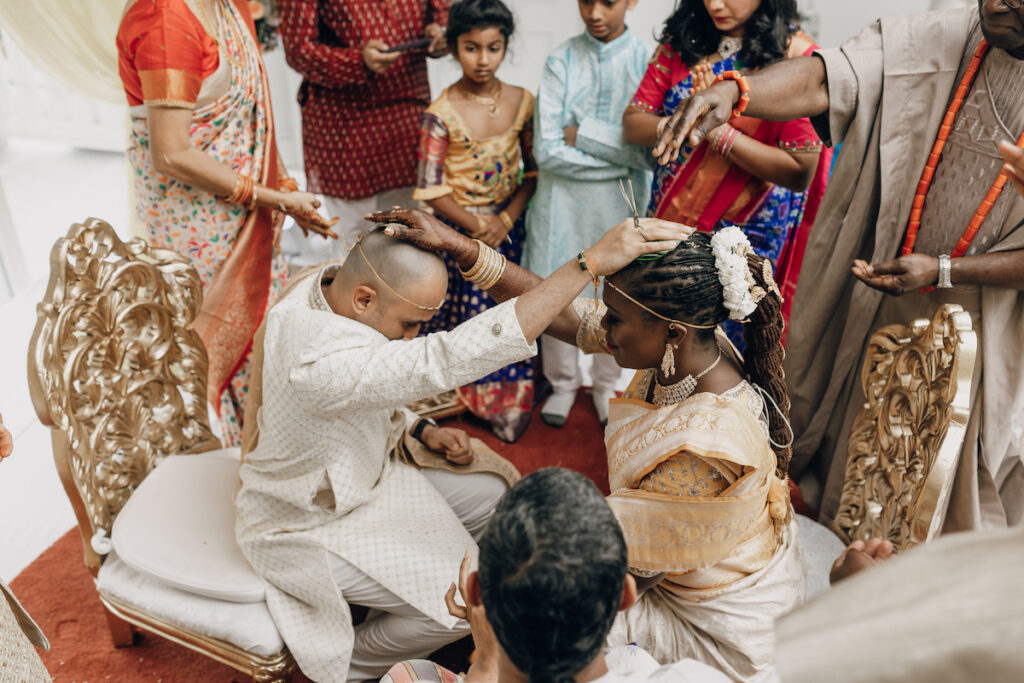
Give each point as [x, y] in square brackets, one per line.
[889, 88]
[322, 478]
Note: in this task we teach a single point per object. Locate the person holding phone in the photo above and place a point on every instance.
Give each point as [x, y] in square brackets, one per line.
[363, 91]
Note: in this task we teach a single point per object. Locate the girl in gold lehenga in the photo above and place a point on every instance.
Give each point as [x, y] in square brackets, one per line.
[697, 447]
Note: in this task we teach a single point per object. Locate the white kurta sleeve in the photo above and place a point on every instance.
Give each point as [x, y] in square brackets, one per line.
[393, 373]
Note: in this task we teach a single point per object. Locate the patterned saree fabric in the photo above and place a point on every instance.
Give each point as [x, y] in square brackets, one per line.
[702, 188]
[169, 57]
[481, 175]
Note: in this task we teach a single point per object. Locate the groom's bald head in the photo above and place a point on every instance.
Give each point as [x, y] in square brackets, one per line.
[401, 265]
[392, 285]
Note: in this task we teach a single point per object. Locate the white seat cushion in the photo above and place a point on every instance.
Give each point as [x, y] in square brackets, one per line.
[248, 626]
[179, 527]
[821, 548]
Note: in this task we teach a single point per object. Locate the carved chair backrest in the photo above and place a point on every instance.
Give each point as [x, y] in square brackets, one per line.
[906, 440]
[116, 370]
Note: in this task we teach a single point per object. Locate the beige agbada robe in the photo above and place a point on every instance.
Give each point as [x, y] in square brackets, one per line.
[889, 89]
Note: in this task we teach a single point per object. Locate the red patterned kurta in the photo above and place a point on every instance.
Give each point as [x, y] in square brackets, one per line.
[360, 130]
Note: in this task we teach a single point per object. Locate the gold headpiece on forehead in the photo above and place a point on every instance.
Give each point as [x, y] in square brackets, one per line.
[359, 245]
[659, 315]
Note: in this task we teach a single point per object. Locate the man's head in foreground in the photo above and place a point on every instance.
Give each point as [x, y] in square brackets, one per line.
[390, 285]
[553, 574]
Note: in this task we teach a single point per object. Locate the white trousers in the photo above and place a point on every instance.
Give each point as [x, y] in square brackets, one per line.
[562, 367]
[394, 631]
[350, 225]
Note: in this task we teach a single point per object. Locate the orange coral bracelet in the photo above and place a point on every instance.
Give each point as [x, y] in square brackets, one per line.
[744, 86]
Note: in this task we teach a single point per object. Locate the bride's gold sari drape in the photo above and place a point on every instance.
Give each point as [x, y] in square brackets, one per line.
[695, 490]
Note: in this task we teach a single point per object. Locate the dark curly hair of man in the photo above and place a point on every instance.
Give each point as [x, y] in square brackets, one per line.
[552, 571]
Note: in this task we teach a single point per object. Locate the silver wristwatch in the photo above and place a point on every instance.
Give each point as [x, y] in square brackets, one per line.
[945, 272]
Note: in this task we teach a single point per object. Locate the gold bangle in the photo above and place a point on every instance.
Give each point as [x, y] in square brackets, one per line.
[481, 221]
[507, 220]
[255, 196]
[474, 270]
[236, 192]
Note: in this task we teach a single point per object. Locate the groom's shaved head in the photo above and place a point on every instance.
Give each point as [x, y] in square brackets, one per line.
[404, 267]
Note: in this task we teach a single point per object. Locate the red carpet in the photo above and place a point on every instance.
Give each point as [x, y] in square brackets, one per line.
[58, 592]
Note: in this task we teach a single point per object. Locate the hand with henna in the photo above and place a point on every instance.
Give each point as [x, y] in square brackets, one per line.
[426, 232]
[302, 206]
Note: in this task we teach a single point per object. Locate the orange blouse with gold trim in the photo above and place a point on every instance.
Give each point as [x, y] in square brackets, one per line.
[164, 54]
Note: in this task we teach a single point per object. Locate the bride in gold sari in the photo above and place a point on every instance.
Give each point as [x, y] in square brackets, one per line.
[697, 447]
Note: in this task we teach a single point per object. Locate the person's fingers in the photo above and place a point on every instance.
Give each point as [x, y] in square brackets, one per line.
[885, 551]
[464, 568]
[463, 459]
[856, 545]
[657, 245]
[664, 133]
[894, 267]
[871, 547]
[658, 229]
[1011, 152]
[397, 230]
[455, 609]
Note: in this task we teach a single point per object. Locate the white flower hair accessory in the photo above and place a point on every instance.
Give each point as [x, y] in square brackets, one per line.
[731, 247]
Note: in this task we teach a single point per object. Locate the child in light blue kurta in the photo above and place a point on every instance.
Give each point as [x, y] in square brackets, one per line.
[588, 82]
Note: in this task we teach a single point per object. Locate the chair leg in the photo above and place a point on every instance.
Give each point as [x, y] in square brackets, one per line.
[121, 632]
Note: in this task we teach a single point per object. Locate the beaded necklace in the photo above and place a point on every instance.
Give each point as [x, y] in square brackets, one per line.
[914, 224]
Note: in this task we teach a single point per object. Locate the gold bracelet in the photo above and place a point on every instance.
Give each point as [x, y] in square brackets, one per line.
[481, 221]
[497, 269]
[237, 192]
[507, 220]
[255, 195]
[474, 270]
[488, 269]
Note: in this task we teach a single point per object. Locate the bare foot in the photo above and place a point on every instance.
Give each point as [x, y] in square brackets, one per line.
[859, 556]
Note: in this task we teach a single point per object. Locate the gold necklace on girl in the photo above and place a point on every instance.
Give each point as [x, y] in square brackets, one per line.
[493, 108]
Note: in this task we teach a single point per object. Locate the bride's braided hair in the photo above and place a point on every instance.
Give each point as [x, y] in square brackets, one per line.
[684, 285]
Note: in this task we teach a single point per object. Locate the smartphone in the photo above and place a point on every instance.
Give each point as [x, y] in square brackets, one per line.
[414, 45]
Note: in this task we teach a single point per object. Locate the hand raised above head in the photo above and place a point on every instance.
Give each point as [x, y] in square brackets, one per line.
[694, 119]
[624, 243]
[418, 227]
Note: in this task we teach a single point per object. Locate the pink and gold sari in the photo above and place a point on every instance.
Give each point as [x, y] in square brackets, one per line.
[169, 57]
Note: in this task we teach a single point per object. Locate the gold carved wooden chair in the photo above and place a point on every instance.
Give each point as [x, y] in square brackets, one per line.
[905, 442]
[118, 373]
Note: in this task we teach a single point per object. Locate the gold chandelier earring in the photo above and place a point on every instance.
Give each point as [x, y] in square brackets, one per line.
[668, 361]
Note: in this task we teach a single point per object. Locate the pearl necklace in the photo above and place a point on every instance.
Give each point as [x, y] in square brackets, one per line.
[672, 394]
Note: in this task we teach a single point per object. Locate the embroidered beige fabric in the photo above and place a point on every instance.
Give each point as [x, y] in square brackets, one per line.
[19, 636]
[319, 476]
[888, 95]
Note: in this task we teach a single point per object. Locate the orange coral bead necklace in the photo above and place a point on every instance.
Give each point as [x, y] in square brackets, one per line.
[914, 224]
